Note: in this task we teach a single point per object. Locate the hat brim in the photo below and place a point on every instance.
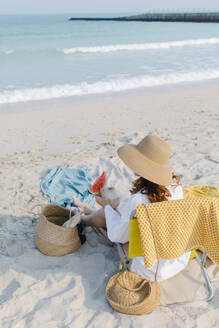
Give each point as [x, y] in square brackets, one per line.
[143, 166]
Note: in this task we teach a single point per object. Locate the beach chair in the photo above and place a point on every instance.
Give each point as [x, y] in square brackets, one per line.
[198, 214]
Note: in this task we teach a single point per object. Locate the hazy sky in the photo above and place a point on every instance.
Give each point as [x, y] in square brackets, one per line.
[91, 6]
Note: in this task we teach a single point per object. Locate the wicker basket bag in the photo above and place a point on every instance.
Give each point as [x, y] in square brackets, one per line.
[51, 237]
[129, 293]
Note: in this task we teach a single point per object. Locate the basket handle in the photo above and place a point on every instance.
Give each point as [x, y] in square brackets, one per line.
[129, 288]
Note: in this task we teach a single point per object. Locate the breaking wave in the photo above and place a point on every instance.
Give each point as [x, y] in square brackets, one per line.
[7, 52]
[141, 46]
[67, 90]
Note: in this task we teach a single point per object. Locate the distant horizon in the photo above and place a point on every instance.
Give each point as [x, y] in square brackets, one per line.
[114, 12]
[87, 7]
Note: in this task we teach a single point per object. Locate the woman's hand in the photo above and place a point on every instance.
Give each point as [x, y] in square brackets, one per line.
[101, 200]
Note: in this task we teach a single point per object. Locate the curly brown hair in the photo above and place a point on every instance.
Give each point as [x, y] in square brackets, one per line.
[155, 192]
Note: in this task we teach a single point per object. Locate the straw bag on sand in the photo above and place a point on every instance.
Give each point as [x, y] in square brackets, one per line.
[129, 293]
[51, 237]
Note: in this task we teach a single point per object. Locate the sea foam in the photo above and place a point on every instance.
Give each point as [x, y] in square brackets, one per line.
[141, 46]
[67, 90]
[6, 52]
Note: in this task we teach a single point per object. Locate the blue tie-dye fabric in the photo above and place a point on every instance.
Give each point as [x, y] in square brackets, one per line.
[61, 183]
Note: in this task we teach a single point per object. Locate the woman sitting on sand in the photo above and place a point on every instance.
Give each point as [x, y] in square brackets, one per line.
[155, 183]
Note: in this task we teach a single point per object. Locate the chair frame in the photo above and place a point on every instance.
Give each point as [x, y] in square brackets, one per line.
[202, 260]
[203, 263]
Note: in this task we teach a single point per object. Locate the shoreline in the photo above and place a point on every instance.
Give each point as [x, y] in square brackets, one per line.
[55, 103]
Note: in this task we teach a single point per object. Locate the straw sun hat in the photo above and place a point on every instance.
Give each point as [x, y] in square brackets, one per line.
[149, 159]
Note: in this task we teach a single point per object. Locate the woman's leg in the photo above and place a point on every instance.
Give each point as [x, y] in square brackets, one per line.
[95, 219]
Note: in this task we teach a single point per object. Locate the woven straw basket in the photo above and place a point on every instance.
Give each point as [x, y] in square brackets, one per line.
[51, 238]
[129, 293]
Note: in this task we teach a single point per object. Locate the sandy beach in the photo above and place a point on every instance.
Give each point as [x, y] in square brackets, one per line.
[43, 292]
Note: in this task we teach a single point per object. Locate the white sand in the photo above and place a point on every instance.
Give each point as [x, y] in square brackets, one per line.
[43, 292]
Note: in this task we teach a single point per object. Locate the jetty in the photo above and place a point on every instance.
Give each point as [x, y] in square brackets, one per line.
[195, 17]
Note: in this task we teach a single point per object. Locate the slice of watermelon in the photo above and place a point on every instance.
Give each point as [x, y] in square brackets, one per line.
[98, 184]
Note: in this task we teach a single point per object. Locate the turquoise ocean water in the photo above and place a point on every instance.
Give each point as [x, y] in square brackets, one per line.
[47, 56]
